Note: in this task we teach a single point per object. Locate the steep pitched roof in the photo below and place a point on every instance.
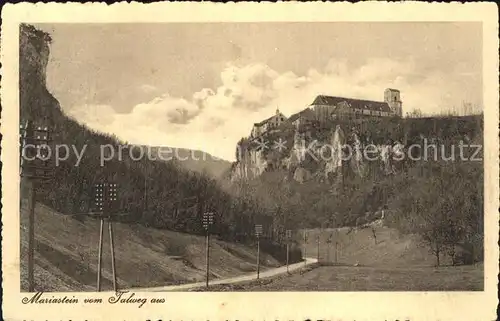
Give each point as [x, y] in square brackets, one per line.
[267, 120]
[306, 112]
[294, 117]
[353, 103]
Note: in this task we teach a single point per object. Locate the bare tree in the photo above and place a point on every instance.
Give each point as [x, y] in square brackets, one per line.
[416, 113]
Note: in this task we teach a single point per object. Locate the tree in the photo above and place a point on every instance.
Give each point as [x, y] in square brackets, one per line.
[416, 113]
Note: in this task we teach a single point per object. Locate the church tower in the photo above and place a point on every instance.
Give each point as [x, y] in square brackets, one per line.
[393, 98]
[277, 117]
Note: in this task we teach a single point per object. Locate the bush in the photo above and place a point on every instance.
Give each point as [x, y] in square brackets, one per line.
[278, 251]
[463, 255]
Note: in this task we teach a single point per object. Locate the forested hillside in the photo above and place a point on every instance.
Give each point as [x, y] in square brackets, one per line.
[152, 193]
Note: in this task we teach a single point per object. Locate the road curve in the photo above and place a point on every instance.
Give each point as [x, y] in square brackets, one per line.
[242, 278]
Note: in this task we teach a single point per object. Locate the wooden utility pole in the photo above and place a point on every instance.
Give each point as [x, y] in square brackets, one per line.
[317, 240]
[258, 233]
[207, 257]
[305, 245]
[112, 249]
[328, 251]
[258, 257]
[145, 201]
[99, 260]
[31, 237]
[336, 249]
[288, 237]
[207, 220]
[35, 165]
[329, 243]
[145, 198]
[105, 202]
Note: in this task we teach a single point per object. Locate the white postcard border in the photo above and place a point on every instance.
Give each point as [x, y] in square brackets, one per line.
[254, 305]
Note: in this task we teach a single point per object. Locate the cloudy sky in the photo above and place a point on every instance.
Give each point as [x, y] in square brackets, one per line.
[203, 85]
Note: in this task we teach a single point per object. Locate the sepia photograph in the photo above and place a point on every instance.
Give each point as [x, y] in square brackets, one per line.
[359, 157]
[249, 156]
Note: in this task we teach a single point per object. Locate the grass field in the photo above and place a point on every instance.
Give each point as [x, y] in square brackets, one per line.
[349, 278]
[359, 262]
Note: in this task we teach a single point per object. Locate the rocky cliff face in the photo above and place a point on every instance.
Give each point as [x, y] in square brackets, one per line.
[251, 164]
[34, 45]
[335, 151]
[36, 102]
[329, 154]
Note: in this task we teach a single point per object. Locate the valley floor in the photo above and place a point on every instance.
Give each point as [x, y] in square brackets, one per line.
[355, 260]
[349, 278]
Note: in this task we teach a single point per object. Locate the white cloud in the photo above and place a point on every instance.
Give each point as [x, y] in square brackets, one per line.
[213, 120]
[166, 109]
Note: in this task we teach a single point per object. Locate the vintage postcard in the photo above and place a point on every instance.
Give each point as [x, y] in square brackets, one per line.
[250, 161]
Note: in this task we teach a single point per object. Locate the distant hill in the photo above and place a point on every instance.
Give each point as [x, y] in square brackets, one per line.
[196, 160]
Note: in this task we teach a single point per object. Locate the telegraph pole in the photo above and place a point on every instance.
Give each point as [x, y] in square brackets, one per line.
[35, 165]
[288, 237]
[328, 242]
[317, 240]
[99, 203]
[112, 201]
[207, 220]
[105, 201]
[145, 201]
[31, 237]
[258, 233]
[336, 249]
[112, 249]
[305, 245]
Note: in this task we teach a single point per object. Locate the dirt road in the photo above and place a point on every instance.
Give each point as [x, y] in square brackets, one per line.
[247, 277]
